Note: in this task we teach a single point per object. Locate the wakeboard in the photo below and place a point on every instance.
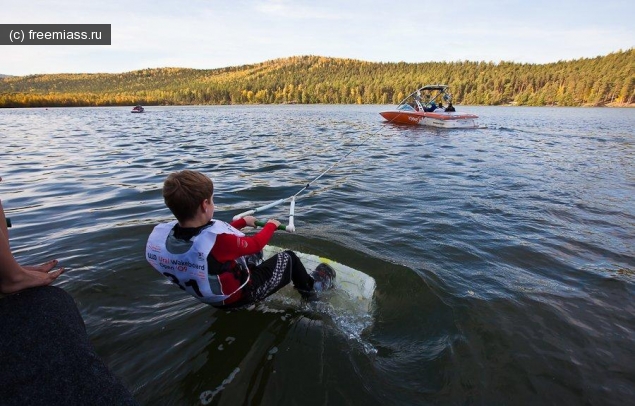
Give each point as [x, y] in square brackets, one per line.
[353, 289]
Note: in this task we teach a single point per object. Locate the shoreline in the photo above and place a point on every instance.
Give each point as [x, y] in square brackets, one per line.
[610, 105]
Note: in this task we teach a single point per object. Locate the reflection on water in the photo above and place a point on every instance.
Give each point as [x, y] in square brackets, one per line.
[503, 256]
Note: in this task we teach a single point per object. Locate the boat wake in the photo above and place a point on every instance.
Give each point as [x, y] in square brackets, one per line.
[335, 306]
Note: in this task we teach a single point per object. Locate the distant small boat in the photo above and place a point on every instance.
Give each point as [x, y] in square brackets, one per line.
[424, 107]
[137, 109]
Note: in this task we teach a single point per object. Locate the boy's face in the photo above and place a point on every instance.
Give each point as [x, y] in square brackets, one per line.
[210, 207]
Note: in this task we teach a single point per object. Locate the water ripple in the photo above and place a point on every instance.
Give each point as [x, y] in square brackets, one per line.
[503, 256]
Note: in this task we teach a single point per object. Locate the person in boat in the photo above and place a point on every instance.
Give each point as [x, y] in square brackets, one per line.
[450, 108]
[15, 277]
[417, 101]
[214, 261]
[430, 107]
[42, 333]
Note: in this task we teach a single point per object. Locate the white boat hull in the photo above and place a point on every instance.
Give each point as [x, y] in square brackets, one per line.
[457, 123]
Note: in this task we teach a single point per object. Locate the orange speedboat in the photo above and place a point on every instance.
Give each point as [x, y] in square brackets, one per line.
[424, 106]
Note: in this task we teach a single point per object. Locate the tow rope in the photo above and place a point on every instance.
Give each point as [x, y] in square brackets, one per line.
[291, 226]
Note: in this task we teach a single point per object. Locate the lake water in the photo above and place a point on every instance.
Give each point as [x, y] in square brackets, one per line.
[504, 256]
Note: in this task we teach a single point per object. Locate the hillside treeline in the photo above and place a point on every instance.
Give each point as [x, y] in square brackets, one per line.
[600, 81]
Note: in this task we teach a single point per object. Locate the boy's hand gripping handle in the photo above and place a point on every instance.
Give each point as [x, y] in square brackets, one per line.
[261, 223]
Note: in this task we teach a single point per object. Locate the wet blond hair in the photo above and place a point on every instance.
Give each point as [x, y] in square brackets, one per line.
[184, 191]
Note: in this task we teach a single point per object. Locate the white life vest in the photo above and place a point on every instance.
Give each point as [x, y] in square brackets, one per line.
[189, 270]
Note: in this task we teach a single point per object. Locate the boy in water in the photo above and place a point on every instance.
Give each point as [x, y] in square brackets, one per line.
[215, 262]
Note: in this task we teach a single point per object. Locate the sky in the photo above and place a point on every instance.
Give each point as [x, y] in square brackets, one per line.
[220, 33]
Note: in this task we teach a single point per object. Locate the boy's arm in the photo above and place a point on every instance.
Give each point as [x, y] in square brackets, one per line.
[229, 247]
[239, 224]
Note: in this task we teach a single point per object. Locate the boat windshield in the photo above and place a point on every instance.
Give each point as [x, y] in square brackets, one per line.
[406, 107]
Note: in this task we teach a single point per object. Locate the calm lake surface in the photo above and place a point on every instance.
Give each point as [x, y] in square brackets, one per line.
[504, 256]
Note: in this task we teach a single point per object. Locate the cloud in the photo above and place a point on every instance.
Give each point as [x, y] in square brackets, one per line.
[203, 34]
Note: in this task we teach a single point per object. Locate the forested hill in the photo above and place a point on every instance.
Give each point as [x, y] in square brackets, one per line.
[605, 80]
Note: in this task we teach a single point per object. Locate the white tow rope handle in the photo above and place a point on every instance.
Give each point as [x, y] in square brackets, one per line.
[290, 228]
[257, 209]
